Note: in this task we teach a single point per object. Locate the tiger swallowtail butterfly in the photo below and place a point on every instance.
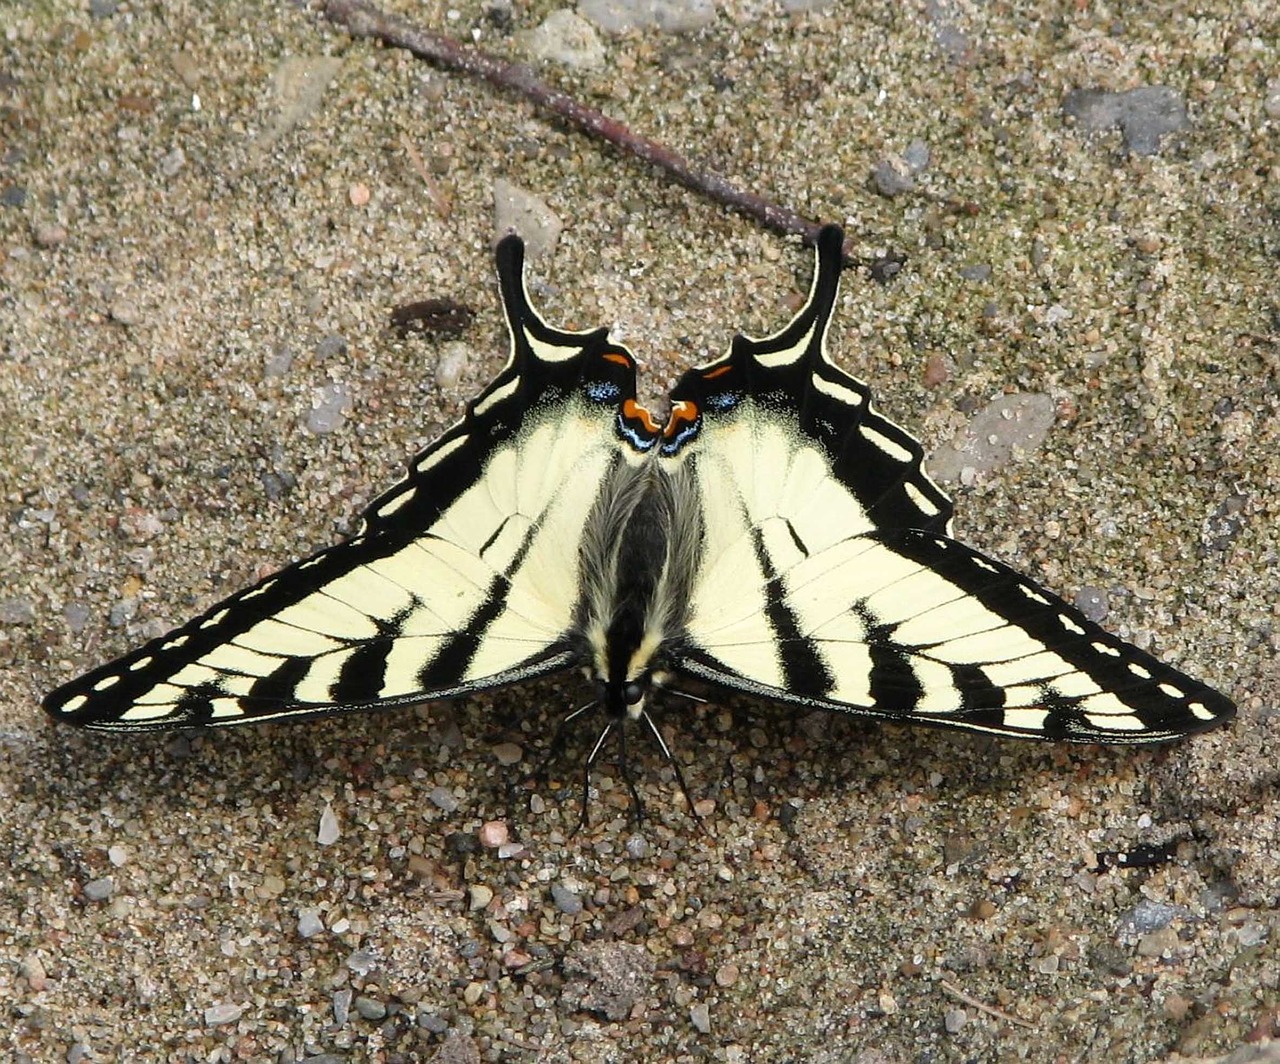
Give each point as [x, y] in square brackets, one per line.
[775, 535]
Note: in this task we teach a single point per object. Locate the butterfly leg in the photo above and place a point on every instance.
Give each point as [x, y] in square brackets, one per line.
[675, 765]
[624, 770]
[592, 758]
[558, 741]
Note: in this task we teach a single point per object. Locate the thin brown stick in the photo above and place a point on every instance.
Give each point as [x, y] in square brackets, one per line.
[990, 1010]
[361, 19]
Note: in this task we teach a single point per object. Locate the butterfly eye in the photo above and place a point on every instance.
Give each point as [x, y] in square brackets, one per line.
[633, 693]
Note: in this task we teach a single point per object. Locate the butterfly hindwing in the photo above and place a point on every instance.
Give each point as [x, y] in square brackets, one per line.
[826, 578]
[461, 577]
[912, 626]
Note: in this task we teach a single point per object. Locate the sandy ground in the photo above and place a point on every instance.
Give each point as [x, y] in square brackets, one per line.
[197, 384]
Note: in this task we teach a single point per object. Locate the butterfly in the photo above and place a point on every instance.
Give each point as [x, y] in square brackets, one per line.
[773, 535]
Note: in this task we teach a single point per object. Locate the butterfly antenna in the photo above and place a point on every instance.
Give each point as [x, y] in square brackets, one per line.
[675, 765]
[686, 696]
[592, 758]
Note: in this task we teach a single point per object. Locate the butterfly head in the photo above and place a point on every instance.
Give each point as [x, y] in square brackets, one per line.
[625, 699]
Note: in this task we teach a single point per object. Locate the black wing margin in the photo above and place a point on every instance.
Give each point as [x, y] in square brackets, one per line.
[440, 592]
[791, 375]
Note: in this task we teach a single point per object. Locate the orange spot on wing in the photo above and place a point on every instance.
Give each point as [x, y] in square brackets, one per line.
[633, 411]
[719, 371]
[618, 357]
[682, 412]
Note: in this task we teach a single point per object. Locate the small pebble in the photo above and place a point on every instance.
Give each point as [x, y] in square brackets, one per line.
[472, 994]
[359, 194]
[278, 361]
[370, 1008]
[700, 1017]
[342, 1007]
[33, 971]
[479, 896]
[362, 962]
[892, 177]
[727, 975]
[1092, 602]
[171, 164]
[443, 799]
[493, 833]
[309, 923]
[125, 311]
[1158, 943]
[453, 360]
[17, 611]
[432, 1021]
[508, 753]
[329, 408]
[329, 831]
[99, 889]
[954, 1020]
[565, 899]
[1150, 915]
[216, 1015]
[1176, 1007]
[49, 235]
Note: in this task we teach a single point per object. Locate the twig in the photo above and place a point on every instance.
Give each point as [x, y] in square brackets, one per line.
[990, 1010]
[362, 19]
[443, 205]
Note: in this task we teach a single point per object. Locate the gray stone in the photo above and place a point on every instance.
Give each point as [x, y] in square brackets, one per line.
[607, 978]
[1008, 425]
[1144, 115]
[566, 37]
[566, 900]
[668, 16]
[329, 409]
[520, 211]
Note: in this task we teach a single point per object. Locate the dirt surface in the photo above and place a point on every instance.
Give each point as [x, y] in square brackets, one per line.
[207, 214]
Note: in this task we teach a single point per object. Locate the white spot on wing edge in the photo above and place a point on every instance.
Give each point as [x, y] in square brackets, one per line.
[254, 592]
[927, 506]
[141, 663]
[139, 711]
[1200, 711]
[440, 452]
[1171, 691]
[1139, 671]
[1070, 625]
[1030, 718]
[72, 704]
[549, 352]
[498, 395]
[1120, 722]
[395, 503]
[836, 391]
[882, 442]
[107, 682]
[787, 356]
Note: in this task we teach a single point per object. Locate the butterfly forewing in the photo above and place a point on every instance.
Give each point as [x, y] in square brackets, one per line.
[463, 576]
[826, 578]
